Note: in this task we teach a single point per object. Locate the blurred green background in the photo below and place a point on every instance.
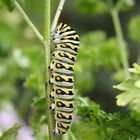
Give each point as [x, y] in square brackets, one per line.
[98, 65]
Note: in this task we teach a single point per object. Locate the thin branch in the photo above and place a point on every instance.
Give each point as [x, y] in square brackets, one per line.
[65, 137]
[72, 136]
[47, 57]
[57, 15]
[121, 41]
[21, 11]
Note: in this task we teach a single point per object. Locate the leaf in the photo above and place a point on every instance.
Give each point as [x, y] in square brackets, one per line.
[100, 124]
[10, 134]
[131, 90]
[40, 116]
[126, 97]
[110, 54]
[125, 86]
[136, 69]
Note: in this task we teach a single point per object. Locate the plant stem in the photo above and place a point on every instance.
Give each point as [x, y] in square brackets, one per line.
[65, 137]
[72, 136]
[21, 11]
[57, 15]
[47, 53]
[121, 42]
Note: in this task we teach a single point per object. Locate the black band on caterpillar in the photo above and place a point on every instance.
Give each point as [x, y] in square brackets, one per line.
[66, 47]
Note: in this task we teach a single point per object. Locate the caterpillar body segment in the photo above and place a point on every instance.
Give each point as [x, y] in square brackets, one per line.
[62, 105]
[63, 117]
[61, 128]
[64, 56]
[66, 46]
[57, 66]
[61, 80]
[62, 93]
[59, 131]
[63, 125]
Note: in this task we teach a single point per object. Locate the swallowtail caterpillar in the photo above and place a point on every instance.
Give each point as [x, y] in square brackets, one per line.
[66, 46]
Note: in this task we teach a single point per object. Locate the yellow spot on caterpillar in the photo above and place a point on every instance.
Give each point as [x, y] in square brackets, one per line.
[59, 115]
[67, 92]
[59, 103]
[73, 47]
[58, 78]
[58, 65]
[67, 67]
[58, 91]
[66, 28]
[62, 54]
[67, 116]
[75, 36]
[65, 126]
[67, 104]
[63, 45]
[67, 79]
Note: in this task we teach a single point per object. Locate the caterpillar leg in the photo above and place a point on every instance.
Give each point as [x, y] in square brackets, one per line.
[52, 95]
[53, 106]
[51, 81]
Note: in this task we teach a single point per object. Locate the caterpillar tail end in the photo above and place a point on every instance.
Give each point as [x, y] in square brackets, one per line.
[57, 132]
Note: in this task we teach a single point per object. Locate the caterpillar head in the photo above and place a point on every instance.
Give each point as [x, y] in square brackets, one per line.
[55, 36]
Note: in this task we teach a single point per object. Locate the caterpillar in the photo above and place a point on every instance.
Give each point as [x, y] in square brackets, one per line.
[66, 46]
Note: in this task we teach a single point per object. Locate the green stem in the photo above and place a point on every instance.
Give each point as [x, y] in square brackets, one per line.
[47, 50]
[121, 42]
[21, 11]
[65, 137]
[57, 15]
[72, 136]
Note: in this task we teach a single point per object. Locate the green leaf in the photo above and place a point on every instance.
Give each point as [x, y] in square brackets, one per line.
[125, 86]
[136, 69]
[131, 90]
[102, 125]
[126, 97]
[40, 106]
[110, 53]
[39, 118]
[10, 134]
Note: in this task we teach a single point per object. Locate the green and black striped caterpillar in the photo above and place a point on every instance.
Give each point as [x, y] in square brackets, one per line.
[66, 46]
